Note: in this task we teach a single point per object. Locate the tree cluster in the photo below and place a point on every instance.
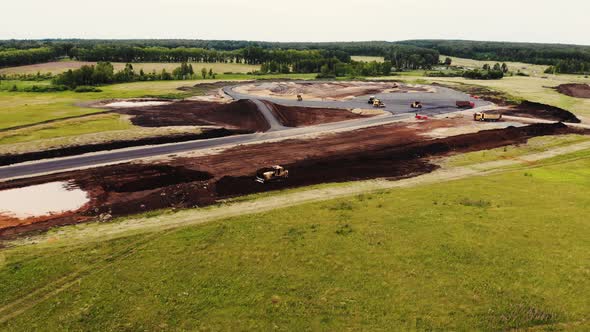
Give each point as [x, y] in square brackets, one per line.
[18, 57]
[489, 74]
[104, 73]
[409, 57]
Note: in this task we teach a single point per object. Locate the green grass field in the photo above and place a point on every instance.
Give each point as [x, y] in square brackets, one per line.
[533, 145]
[74, 127]
[485, 253]
[367, 58]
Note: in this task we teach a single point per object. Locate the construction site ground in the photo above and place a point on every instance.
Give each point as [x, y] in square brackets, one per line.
[401, 149]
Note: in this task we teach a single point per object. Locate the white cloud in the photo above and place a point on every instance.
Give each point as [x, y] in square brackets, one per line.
[303, 20]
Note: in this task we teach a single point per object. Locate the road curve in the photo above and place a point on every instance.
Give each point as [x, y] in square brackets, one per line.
[269, 116]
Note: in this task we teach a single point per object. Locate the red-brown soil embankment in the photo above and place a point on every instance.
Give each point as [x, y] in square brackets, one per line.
[295, 116]
[393, 151]
[574, 90]
[238, 115]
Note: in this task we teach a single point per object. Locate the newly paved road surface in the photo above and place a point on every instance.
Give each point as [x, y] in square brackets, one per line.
[440, 102]
[397, 104]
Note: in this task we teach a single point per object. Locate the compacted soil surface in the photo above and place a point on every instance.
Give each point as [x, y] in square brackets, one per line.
[392, 151]
[294, 116]
[241, 115]
[529, 109]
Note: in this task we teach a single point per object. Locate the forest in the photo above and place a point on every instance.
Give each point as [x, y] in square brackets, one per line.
[299, 57]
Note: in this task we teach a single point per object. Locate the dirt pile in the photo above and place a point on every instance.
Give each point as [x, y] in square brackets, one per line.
[574, 90]
[393, 151]
[531, 109]
[239, 115]
[294, 116]
[319, 91]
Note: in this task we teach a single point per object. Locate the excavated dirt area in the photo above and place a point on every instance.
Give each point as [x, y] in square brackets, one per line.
[240, 115]
[294, 116]
[574, 90]
[393, 151]
[529, 109]
[326, 91]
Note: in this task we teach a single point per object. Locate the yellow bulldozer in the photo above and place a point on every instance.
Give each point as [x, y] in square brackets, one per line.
[271, 174]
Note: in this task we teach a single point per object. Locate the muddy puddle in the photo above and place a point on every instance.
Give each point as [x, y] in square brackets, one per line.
[41, 200]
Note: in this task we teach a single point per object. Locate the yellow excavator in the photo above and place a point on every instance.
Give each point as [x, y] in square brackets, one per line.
[271, 174]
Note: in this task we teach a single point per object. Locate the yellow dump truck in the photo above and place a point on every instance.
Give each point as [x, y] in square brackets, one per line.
[481, 116]
[270, 174]
[378, 103]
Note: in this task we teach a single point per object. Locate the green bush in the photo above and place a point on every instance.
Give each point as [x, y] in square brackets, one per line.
[84, 88]
[44, 88]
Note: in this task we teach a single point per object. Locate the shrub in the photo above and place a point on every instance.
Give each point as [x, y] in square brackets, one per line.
[84, 88]
[45, 88]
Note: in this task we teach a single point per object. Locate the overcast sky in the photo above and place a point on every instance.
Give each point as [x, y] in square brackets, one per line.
[564, 21]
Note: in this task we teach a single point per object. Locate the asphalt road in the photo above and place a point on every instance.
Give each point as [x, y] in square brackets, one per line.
[443, 101]
[397, 104]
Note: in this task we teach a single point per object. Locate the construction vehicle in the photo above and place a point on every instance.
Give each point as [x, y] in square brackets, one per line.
[299, 98]
[465, 104]
[378, 103]
[481, 116]
[371, 100]
[271, 174]
[416, 104]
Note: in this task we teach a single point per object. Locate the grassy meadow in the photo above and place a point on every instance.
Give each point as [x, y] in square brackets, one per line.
[367, 58]
[472, 254]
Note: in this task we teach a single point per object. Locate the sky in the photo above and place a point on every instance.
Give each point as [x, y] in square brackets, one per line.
[564, 21]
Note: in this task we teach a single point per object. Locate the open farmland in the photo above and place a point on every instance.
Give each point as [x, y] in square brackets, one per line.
[367, 58]
[62, 66]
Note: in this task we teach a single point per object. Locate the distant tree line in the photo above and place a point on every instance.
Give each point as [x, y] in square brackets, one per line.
[486, 73]
[563, 58]
[19, 57]
[274, 57]
[299, 57]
